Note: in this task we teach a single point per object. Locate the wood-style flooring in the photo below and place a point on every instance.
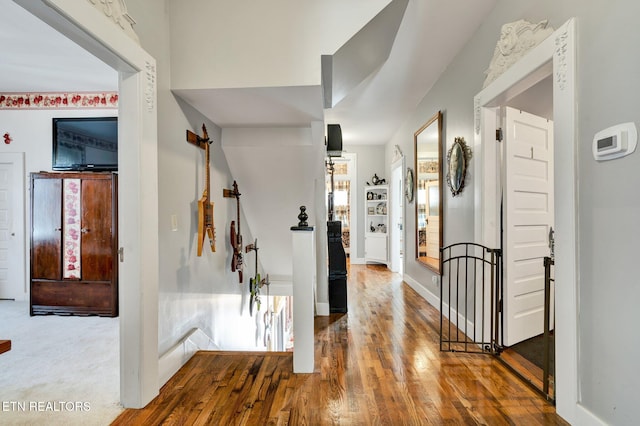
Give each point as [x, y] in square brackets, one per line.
[378, 364]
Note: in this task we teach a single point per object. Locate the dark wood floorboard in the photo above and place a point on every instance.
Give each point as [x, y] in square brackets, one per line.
[379, 364]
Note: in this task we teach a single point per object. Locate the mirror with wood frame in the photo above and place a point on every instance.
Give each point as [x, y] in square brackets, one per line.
[428, 176]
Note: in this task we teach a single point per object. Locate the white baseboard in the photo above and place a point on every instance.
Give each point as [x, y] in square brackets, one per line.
[434, 300]
[426, 294]
[356, 260]
[587, 418]
[322, 309]
[172, 360]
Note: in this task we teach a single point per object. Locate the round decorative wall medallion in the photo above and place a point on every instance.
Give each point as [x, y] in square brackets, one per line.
[408, 185]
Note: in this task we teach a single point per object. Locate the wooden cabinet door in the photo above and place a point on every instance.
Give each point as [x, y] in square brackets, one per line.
[96, 233]
[46, 229]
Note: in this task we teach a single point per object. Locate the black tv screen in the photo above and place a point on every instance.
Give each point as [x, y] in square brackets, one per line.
[85, 143]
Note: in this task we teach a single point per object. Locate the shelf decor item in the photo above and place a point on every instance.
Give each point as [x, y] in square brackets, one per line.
[377, 181]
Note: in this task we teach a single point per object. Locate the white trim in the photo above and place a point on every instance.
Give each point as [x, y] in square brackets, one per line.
[434, 300]
[587, 418]
[138, 186]
[426, 294]
[172, 360]
[353, 202]
[322, 309]
[395, 234]
[558, 52]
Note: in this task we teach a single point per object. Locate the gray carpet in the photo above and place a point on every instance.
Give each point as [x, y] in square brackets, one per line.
[61, 370]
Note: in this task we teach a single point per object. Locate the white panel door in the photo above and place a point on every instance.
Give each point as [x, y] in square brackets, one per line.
[528, 216]
[12, 237]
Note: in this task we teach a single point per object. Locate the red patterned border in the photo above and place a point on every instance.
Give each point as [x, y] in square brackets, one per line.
[58, 100]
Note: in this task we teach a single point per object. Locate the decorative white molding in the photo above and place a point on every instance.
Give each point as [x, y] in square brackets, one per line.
[516, 39]
[116, 10]
[150, 89]
[561, 59]
[82, 100]
[477, 108]
[397, 154]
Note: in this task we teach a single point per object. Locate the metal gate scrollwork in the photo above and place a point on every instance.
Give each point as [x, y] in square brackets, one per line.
[470, 298]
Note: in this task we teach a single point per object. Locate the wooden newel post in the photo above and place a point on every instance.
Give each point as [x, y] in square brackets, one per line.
[304, 280]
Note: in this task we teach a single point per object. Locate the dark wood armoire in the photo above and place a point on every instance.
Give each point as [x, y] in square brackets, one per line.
[74, 268]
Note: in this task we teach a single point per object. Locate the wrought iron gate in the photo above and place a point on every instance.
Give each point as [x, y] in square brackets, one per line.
[470, 298]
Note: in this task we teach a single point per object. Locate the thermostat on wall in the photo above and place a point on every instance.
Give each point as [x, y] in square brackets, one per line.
[615, 142]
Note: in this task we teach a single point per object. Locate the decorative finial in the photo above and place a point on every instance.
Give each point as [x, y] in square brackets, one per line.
[303, 217]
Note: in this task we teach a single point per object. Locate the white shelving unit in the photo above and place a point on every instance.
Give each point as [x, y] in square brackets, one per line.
[376, 214]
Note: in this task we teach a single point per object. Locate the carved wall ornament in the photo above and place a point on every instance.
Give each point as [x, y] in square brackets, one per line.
[116, 10]
[150, 89]
[397, 153]
[477, 109]
[516, 39]
[561, 59]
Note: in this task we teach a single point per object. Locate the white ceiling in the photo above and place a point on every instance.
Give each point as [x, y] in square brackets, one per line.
[35, 57]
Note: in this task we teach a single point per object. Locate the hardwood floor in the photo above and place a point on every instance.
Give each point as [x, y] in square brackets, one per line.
[378, 364]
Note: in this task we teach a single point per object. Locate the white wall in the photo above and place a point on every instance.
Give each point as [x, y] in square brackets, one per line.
[607, 209]
[242, 36]
[31, 132]
[276, 170]
[194, 292]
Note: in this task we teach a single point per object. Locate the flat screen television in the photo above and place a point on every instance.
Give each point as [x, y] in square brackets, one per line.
[85, 143]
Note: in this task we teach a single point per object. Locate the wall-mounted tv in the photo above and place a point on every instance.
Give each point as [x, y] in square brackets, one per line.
[85, 143]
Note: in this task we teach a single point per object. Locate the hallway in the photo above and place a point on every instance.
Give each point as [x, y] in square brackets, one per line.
[378, 364]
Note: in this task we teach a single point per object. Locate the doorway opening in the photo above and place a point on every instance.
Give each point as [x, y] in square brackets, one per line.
[527, 216]
[138, 194]
[555, 56]
[344, 190]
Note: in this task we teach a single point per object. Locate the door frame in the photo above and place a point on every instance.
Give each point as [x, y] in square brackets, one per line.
[101, 36]
[18, 218]
[556, 55]
[396, 263]
[352, 158]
